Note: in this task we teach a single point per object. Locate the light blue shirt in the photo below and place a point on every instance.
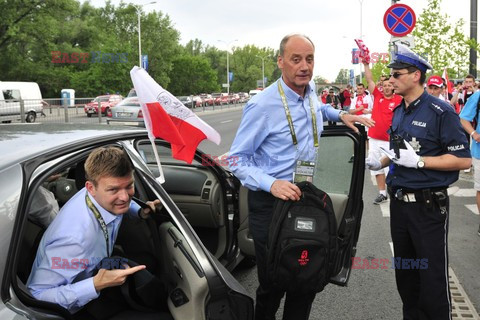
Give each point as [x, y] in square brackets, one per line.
[263, 150]
[69, 250]
[469, 112]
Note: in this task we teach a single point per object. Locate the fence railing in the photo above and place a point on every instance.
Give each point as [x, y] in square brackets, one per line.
[66, 110]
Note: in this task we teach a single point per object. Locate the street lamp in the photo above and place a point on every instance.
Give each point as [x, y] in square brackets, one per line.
[263, 71]
[138, 7]
[228, 66]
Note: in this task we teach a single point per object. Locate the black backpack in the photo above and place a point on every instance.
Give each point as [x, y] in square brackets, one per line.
[302, 242]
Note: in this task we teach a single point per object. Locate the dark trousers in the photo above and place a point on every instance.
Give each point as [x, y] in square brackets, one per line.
[421, 233]
[297, 307]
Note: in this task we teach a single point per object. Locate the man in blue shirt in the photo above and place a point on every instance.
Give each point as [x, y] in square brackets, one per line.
[427, 147]
[84, 232]
[280, 125]
[468, 114]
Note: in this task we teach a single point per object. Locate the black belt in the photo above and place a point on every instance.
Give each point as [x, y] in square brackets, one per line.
[417, 195]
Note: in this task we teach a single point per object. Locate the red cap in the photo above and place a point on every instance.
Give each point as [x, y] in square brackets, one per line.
[436, 81]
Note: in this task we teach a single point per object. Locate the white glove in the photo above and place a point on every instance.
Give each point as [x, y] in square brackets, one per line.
[408, 157]
[373, 164]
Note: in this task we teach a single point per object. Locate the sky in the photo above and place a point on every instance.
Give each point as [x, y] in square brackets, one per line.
[332, 25]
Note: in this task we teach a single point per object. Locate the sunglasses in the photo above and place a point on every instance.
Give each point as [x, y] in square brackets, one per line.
[397, 75]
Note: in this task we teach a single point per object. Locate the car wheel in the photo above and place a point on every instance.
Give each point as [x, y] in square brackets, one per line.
[89, 115]
[31, 116]
[106, 111]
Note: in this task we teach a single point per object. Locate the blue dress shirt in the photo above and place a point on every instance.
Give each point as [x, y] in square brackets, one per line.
[68, 252]
[263, 150]
[469, 112]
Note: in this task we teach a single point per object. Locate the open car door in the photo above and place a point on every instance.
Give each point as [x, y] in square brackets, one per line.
[342, 179]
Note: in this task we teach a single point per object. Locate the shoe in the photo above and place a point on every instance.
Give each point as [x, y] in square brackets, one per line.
[380, 199]
[479, 230]
[351, 159]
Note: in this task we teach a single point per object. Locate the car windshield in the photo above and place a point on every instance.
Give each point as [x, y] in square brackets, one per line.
[129, 102]
[101, 99]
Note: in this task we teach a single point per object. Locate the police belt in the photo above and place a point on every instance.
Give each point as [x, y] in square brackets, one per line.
[418, 195]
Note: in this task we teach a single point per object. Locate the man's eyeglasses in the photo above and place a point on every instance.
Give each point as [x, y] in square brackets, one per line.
[397, 75]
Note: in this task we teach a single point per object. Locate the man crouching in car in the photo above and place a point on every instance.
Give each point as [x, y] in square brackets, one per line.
[66, 270]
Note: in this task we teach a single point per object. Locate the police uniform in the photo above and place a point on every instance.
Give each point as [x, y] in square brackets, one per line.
[419, 207]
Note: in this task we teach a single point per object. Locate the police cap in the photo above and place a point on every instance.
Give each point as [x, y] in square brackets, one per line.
[404, 58]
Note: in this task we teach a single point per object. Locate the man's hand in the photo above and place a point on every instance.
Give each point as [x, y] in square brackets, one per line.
[408, 157]
[111, 278]
[285, 190]
[145, 212]
[373, 164]
[350, 119]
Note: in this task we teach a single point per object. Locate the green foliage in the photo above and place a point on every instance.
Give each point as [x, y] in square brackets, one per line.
[442, 43]
[192, 75]
[343, 76]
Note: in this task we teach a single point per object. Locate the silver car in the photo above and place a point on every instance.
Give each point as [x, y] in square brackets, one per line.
[127, 112]
[193, 198]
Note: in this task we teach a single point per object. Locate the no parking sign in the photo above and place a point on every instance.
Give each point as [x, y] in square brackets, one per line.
[399, 20]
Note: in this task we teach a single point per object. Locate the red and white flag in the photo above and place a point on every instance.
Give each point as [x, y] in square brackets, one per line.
[167, 118]
[364, 52]
[449, 84]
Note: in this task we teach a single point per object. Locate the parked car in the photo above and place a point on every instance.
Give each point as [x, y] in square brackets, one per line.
[187, 101]
[220, 98]
[207, 99]
[106, 102]
[198, 101]
[254, 92]
[234, 98]
[128, 112]
[12, 92]
[203, 228]
[194, 197]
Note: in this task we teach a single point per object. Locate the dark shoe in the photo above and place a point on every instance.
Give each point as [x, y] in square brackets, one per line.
[479, 230]
[381, 198]
[351, 159]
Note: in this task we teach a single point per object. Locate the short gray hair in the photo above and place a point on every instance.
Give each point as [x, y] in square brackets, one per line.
[287, 37]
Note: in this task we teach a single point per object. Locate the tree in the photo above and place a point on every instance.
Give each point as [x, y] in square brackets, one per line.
[192, 75]
[320, 80]
[343, 76]
[441, 42]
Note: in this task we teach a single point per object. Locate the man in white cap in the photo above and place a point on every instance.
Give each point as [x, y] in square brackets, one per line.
[427, 149]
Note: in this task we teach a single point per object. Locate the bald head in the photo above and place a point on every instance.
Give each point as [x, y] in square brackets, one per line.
[285, 39]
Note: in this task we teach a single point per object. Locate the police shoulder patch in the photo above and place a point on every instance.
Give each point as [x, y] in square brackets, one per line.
[438, 105]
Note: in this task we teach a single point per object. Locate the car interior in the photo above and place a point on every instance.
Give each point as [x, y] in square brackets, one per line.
[155, 242]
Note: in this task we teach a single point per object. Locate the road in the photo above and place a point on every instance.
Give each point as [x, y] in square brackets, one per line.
[372, 293]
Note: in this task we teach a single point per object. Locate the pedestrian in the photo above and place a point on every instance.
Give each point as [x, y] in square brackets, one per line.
[280, 125]
[384, 103]
[362, 103]
[333, 100]
[427, 150]
[470, 117]
[347, 94]
[435, 86]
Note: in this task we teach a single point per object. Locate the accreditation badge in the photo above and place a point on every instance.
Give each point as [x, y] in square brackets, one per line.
[304, 171]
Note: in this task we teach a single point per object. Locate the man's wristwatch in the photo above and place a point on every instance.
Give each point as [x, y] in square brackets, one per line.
[341, 114]
[421, 163]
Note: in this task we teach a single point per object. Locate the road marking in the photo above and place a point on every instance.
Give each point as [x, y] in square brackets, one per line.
[463, 192]
[462, 307]
[385, 207]
[226, 121]
[391, 248]
[473, 208]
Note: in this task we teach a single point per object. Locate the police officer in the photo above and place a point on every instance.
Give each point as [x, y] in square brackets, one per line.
[427, 149]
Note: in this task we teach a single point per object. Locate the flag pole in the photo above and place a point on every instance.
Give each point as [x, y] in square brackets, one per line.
[161, 178]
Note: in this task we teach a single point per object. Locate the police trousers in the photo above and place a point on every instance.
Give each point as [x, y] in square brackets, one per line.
[419, 229]
[296, 307]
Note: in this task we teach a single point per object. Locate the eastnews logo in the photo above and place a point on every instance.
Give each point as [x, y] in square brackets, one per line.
[393, 263]
[82, 264]
[86, 57]
[209, 160]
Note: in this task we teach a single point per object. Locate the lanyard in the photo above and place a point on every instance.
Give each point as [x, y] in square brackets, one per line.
[100, 220]
[289, 117]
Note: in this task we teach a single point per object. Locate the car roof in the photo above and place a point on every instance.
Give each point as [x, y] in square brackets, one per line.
[22, 142]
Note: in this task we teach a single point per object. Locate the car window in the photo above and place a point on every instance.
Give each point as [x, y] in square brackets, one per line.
[333, 171]
[164, 152]
[11, 94]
